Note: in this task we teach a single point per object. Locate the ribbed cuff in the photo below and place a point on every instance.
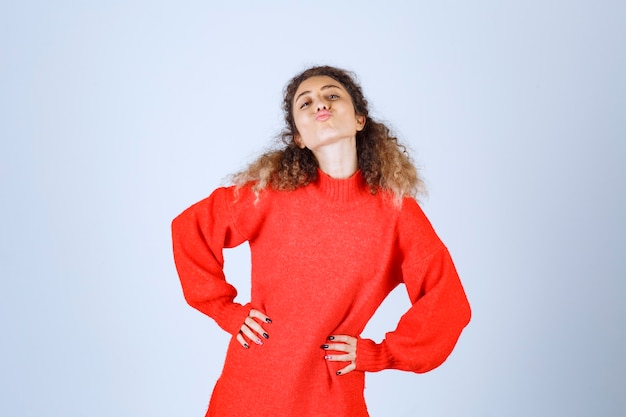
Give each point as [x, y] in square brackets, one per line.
[231, 317]
[371, 356]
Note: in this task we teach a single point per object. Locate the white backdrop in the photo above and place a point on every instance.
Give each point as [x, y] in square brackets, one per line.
[117, 115]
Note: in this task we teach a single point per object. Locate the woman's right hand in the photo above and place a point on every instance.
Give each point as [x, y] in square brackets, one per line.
[251, 330]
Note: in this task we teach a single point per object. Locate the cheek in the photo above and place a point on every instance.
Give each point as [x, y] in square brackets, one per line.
[299, 123]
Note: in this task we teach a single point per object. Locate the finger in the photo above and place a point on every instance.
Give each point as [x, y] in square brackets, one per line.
[343, 338]
[242, 341]
[245, 330]
[341, 347]
[259, 315]
[349, 357]
[254, 325]
[347, 369]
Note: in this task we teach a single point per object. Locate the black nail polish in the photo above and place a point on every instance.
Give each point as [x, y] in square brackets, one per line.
[246, 346]
[265, 335]
[324, 346]
[331, 337]
[338, 372]
[268, 320]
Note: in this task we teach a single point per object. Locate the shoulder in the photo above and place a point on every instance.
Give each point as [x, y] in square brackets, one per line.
[221, 201]
[412, 215]
[244, 196]
[415, 230]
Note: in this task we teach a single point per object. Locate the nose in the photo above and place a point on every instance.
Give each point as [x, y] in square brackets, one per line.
[322, 104]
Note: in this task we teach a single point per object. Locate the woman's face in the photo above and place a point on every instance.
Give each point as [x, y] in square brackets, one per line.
[324, 113]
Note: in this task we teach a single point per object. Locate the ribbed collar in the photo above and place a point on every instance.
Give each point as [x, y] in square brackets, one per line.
[341, 190]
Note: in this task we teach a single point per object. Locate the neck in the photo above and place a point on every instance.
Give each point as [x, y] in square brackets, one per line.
[338, 160]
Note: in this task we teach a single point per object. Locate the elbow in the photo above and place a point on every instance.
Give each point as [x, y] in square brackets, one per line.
[441, 346]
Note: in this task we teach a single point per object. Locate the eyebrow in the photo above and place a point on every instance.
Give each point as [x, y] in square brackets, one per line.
[327, 86]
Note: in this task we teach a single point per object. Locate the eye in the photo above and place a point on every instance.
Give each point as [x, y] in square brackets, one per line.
[333, 96]
[304, 105]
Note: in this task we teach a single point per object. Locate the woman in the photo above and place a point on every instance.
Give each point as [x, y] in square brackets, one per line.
[333, 227]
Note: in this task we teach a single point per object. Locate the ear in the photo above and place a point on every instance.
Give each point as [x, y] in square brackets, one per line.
[360, 122]
[298, 140]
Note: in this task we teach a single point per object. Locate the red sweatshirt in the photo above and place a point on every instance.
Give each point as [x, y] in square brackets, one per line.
[324, 257]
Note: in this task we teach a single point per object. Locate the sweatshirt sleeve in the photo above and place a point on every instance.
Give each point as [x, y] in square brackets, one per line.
[429, 330]
[199, 235]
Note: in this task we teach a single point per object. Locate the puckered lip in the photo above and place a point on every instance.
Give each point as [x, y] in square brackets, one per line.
[322, 115]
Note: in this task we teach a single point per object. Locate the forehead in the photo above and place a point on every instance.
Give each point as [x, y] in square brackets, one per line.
[317, 82]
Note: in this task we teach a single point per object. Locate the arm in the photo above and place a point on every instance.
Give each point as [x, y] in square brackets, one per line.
[428, 331]
[199, 235]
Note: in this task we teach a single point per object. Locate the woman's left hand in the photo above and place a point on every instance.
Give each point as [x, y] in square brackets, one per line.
[342, 343]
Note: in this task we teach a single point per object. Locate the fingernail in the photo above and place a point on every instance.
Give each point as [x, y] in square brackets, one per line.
[327, 357]
[268, 320]
[265, 335]
[258, 342]
[338, 372]
[324, 346]
[246, 346]
[331, 337]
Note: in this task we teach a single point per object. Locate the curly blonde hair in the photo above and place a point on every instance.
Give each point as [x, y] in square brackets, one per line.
[384, 163]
